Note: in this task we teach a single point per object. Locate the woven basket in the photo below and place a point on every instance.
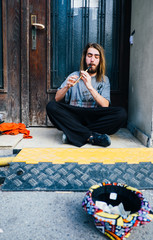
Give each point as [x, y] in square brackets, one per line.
[116, 226]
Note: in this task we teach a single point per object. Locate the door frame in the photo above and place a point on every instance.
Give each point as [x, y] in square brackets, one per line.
[124, 56]
[25, 27]
[25, 62]
[5, 50]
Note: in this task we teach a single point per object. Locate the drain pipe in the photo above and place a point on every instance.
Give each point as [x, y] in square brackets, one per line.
[150, 140]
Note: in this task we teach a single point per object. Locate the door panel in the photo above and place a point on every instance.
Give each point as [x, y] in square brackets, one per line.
[1, 48]
[37, 60]
[74, 23]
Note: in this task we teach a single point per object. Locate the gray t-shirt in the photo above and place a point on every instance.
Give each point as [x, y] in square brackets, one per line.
[80, 96]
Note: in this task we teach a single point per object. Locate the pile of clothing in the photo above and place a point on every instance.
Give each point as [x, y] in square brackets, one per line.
[14, 129]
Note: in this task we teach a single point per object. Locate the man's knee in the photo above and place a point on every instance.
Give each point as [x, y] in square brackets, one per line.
[51, 106]
[122, 114]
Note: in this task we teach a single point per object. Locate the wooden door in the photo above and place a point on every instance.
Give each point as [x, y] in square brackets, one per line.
[37, 62]
[48, 55]
[1, 49]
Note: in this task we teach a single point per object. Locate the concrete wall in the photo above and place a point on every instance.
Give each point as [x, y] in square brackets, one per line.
[141, 67]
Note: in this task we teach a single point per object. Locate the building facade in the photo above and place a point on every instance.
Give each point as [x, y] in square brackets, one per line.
[41, 43]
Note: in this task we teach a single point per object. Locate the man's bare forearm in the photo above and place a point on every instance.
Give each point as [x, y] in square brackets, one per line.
[101, 101]
[60, 94]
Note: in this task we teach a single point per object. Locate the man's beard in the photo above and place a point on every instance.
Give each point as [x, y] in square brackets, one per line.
[93, 70]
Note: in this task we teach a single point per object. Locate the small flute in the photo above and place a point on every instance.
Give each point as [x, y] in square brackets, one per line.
[81, 76]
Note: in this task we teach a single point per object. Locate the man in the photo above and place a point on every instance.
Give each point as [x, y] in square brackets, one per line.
[85, 115]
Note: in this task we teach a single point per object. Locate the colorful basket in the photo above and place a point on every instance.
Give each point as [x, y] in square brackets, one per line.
[112, 225]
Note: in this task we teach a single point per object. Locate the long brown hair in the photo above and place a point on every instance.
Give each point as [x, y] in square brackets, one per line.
[102, 64]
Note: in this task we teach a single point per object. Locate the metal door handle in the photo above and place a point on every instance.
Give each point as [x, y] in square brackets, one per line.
[35, 26]
[38, 25]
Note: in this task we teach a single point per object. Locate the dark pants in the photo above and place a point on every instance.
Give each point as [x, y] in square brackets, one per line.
[78, 123]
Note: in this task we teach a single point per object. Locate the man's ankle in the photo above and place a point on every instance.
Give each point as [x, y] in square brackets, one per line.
[100, 139]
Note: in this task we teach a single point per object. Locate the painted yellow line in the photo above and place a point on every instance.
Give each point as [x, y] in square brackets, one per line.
[4, 161]
[85, 155]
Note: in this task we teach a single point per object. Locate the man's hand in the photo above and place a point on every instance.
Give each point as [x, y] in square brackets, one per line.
[60, 94]
[71, 81]
[101, 101]
[86, 79]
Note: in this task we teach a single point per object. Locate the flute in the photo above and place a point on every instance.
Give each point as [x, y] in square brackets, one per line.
[81, 76]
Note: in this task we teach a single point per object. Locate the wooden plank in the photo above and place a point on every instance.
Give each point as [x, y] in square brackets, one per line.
[13, 44]
[25, 62]
[4, 27]
[49, 50]
[3, 92]
[48, 45]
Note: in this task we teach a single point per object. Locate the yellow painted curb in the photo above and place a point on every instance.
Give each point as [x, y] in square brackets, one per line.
[4, 161]
[85, 155]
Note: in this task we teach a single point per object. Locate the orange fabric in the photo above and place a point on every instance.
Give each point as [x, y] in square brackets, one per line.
[14, 129]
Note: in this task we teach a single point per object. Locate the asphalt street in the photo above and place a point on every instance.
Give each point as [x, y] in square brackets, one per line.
[54, 216]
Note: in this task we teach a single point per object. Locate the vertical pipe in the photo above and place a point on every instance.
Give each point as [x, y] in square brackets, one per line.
[150, 140]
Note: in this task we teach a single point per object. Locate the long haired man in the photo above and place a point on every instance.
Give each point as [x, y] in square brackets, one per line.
[82, 103]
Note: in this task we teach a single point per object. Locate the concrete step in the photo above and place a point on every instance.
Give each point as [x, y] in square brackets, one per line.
[51, 138]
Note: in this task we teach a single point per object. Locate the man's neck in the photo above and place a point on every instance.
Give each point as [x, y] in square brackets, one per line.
[93, 74]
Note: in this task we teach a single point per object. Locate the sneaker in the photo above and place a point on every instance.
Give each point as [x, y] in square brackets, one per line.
[100, 140]
[65, 139]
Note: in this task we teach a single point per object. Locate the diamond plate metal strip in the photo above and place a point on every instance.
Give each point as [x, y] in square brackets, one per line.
[2, 175]
[75, 177]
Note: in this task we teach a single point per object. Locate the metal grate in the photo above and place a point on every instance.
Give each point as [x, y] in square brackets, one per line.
[74, 23]
[74, 177]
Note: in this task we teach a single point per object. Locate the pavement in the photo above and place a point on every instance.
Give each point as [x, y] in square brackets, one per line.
[55, 215]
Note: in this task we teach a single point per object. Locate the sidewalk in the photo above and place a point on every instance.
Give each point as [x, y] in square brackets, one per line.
[41, 215]
[51, 138]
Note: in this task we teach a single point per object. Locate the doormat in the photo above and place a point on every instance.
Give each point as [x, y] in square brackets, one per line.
[74, 176]
[85, 155]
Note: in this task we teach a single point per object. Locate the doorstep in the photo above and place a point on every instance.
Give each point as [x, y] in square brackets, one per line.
[49, 137]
